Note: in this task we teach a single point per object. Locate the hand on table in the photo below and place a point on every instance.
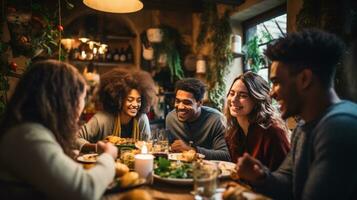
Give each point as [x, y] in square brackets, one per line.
[250, 169]
[108, 148]
[180, 146]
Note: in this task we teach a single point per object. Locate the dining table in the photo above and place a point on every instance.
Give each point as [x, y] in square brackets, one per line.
[162, 190]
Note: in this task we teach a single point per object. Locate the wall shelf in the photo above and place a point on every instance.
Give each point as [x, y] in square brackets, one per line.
[101, 64]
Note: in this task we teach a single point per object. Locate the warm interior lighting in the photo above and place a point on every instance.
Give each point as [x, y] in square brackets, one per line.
[69, 43]
[83, 39]
[144, 148]
[115, 6]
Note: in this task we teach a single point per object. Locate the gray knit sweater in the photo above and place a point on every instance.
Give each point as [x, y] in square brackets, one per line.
[206, 133]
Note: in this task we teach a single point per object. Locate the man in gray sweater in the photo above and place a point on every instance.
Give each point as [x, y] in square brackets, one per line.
[193, 126]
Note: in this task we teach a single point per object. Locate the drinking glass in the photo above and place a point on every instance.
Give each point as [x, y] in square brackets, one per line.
[163, 140]
[148, 139]
[204, 179]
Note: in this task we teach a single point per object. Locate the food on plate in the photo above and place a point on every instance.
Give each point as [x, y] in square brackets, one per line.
[139, 145]
[114, 139]
[90, 157]
[121, 169]
[138, 194]
[188, 156]
[118, 140]
[235, 191]
[127, 157]
[226, 168]
[172, 169]
[129, 179]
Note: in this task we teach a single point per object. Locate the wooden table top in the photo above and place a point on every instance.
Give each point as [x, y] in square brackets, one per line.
[160, 190]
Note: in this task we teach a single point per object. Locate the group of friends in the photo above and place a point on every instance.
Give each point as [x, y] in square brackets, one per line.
[40, 128]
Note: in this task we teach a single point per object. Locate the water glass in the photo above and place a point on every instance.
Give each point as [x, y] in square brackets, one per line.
[205, 179]
[161, 143]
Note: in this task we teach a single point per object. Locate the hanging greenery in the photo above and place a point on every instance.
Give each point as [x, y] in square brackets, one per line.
[207, 18]
[171, 46]
[217, 32]
[34, 31]
[254, 57]
[221, 59]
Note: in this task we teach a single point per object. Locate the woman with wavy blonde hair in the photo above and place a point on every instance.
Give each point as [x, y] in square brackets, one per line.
[253, 126]
[126, 96]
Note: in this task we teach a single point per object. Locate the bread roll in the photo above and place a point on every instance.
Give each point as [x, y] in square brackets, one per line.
[234, 192]
[137, 194]
[129, 179]
[121, 169]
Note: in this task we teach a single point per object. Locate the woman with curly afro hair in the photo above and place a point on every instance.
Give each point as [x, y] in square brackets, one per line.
[126, 97]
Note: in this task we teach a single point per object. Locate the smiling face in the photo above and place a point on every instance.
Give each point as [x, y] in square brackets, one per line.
[132, 103]
[239, 101]
[187, 107]
[284, 90]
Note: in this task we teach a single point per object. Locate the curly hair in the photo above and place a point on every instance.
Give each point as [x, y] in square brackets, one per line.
[116, 84]
[263, 113]
[48, 93]
[192, 85]
[313, 49]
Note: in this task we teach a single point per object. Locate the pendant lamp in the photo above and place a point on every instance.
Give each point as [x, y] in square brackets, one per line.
[115, 6]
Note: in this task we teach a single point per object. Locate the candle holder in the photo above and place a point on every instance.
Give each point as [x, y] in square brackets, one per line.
[144, 165]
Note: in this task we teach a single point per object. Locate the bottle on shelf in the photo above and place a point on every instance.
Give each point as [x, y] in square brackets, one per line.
[129, 54]
[109, 56]
[122, 53]
[116, 56]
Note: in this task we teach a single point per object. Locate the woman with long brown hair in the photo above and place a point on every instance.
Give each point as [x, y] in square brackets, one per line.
[126, 96]
[37, 133]
[253, 126]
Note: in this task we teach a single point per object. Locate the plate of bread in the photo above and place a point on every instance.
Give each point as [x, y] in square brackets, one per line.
[124, 179]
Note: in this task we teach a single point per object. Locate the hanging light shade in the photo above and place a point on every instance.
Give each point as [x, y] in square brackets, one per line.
[115, 6]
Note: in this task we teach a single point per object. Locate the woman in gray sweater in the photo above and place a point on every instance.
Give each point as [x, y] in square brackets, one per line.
[36, 136]
[126, 96]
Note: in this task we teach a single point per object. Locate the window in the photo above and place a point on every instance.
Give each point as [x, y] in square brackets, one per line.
[259, 32]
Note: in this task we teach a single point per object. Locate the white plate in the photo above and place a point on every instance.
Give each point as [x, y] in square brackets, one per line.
[88, 158]
[176, 181]
[178, 156]
[226, 168]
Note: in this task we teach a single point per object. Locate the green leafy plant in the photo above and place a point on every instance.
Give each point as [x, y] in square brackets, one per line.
[216, 31]
[172, 169]
[220, 61]
[254, 57]
[43, 41]
[170, 45]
